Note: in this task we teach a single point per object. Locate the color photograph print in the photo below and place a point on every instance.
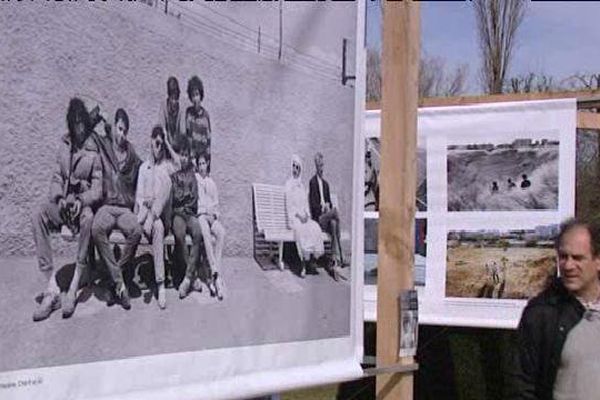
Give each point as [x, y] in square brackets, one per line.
[587, 174]
[521, 174]
[203, 104]
[500, 264]
[373, 166]
[370, 260]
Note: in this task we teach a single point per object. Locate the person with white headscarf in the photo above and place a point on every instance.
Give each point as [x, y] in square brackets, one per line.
[307, 232]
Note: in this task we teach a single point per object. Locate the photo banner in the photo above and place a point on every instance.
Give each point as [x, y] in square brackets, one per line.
[500, 178]
[178, 206]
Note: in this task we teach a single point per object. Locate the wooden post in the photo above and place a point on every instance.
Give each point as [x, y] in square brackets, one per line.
[401, 53]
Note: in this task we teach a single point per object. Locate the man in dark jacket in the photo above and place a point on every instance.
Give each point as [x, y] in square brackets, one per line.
[75, 190]
[120, 165]
[558, 347]
[323, 212]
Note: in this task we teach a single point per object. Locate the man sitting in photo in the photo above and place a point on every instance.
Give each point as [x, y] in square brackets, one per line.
[120, 172]
[75, 188]
[151, 201]
[323, 212]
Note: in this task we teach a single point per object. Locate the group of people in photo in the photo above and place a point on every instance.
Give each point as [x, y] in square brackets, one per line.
[100, 185]
[511, 184]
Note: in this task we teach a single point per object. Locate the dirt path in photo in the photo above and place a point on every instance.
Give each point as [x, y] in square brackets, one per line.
[526, 272]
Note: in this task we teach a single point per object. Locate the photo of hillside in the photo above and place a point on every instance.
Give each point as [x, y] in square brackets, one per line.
[515, 264]
[522, 175]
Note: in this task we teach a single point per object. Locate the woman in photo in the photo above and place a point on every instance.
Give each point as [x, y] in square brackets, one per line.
[307, 232]
[197, 121]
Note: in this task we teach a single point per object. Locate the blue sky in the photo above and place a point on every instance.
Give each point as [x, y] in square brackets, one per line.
[556, 38]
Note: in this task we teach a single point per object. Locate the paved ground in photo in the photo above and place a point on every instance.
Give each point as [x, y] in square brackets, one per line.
[261, 307]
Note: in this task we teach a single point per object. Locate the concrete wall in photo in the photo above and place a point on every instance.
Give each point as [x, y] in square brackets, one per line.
[262, 110]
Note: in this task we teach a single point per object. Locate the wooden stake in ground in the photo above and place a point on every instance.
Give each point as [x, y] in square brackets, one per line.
[401, 52]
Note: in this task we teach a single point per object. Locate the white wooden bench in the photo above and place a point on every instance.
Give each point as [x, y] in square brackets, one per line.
[118, 239]
[270, 221]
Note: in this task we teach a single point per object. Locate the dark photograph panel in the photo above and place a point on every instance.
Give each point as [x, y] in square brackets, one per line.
[370, 261]
[520, 175]
[587, 190]
[373, 166]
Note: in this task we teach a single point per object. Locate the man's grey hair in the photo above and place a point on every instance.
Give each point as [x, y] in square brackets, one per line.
[593, 228]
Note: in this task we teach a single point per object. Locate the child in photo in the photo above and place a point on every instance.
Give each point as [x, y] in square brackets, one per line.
[208, 218]
[197, 120]
[185, 210]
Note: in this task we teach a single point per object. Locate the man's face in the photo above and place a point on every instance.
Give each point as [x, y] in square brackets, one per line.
[157, 148]
[173, 102]
[319, 165]
[186, 160]
[202, 166]
[196, 101]
[578, 267]
[120, 132]
[79, 130]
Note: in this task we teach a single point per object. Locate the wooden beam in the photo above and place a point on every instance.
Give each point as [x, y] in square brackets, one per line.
[588, 120]
[586, 98]
[398, 172]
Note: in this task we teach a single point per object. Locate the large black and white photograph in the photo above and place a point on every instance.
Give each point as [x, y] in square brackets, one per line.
[521, 174]
[373, 166]
[174, 179]
[370, 258]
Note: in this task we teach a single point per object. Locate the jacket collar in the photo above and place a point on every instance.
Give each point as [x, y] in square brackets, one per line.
[105, 146]
[560, 294]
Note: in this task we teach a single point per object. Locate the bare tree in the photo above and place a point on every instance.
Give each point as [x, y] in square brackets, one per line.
[373, 75]
[583, 81]
[435, 80]
[531, 83]
[497, 25]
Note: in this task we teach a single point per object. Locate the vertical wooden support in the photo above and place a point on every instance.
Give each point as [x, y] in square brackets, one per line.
[401, 53]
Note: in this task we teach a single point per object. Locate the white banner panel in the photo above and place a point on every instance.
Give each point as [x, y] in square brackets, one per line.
[500, 178]
[252, 91]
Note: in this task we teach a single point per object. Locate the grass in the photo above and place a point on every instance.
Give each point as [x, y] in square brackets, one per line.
[318, 393]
